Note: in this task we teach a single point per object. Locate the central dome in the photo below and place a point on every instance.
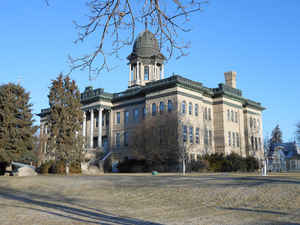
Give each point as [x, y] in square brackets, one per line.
[145, 45]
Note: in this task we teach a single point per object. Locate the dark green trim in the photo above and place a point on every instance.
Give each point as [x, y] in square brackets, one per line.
[227, 103]
[128, 104]
[250, 112]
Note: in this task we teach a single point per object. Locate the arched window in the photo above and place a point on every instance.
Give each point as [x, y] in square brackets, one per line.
[190, 108]
[161, 107]
[146, 73]
[196, 109]
[209, 114]
[252, 142]
[170, 106]
[153, 109]
[183, 107]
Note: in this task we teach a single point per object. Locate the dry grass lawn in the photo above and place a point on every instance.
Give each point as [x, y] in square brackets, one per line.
[145, 199]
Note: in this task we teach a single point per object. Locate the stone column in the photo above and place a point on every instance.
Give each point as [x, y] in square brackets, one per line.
[100, 110]
[162, 71]
[92, 129]
[84, 124]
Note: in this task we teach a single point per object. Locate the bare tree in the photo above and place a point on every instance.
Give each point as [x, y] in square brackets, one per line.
[117, 21]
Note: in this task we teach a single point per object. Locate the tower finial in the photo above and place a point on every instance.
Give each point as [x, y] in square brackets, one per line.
[146, 23]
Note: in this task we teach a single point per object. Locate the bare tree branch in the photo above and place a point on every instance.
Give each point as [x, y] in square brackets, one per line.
[115, 22]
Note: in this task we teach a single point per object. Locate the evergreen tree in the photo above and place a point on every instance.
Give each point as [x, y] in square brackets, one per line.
[276, 136]
[66, 116]
[16, 125]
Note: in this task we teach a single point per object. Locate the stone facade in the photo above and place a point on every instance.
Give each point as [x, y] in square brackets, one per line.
[217, 119]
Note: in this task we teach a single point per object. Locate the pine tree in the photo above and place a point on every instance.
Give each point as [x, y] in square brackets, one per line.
[66, 116]
[276, 136]
[16, 124]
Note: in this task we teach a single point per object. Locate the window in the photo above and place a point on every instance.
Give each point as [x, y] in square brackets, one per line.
[254, 123]
[190, 108]
[258, 124]
[236, 117]
[251, 123]
[229, 138]
[146, 73]
[256, 146]
[210, 137]
[97, 121]
[183, 107]
[237, 140]
[184, 128]
[205, 136]
[144, 112]
[161, 107]
[233, 139]
[170, 106]
[125, 138]
[196, 109]
[228, 114]
[197, 135]
[153, 109]
[209, 114]
[126, 117]
[191, 134]
[136, 114]
[232, 116]
[205, 113]
[259, 143]
[118, 117]
[252, 142]
[118, 140]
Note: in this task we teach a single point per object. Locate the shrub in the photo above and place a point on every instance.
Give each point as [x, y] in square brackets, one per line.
[58, 167]
[75, 167]
[3, 166]
[45, 167]
[132, 166]
[201, 165]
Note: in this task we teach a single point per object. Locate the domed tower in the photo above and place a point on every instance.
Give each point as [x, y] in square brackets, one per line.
[146, 63]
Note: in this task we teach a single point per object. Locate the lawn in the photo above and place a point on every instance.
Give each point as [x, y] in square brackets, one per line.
[144, 199]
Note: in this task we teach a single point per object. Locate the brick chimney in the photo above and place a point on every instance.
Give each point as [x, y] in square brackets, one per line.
[230, 78]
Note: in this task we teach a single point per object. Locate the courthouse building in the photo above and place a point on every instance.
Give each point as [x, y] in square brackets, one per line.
[213, 119]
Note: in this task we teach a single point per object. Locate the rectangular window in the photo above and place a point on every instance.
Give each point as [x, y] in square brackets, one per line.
[236, 117]
[97, 121]
[228, 114]
[136, 114]
[210, 137]
[233, 139]
[146, 73]
[197, 135]
[125, 138]
[259, 143]
[126, 117]
[118, 118]
[237, 140]
[196, 109]
[206, 136]
[118, 140]
[191, 134]
[205, 113]
[144, 112]
[190, 108]
[209, 114]
[184, 129]
[229, 138]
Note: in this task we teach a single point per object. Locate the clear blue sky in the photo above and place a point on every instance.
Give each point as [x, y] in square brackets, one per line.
[258, 39]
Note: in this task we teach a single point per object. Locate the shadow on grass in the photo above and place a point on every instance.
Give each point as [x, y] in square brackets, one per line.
[58, 208]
